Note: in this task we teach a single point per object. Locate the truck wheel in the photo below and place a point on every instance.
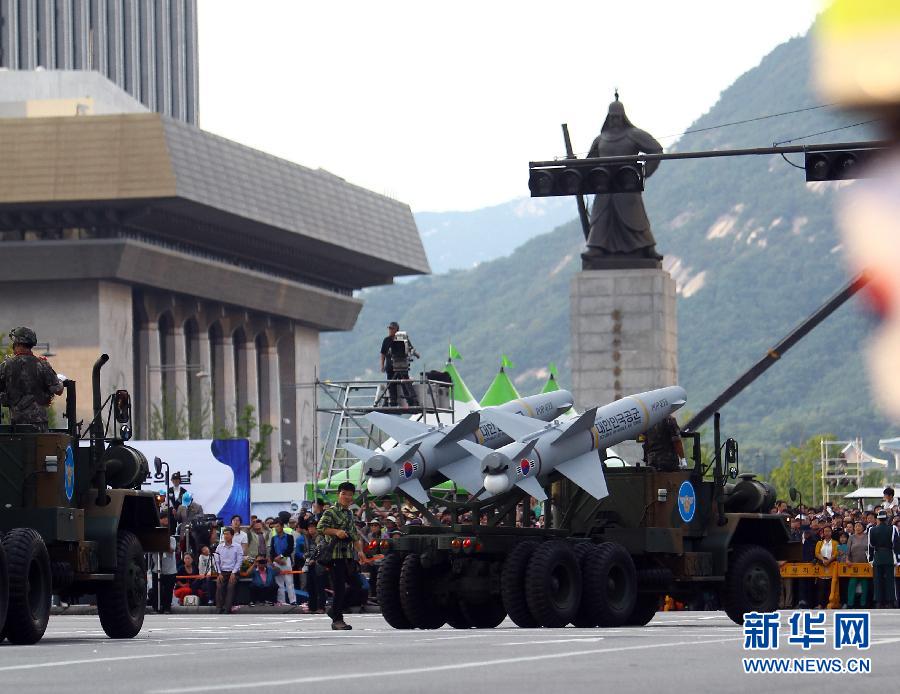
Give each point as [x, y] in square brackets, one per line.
[610, 587]
[29, 586]
[121, 602]
[389, 592]
[752, 582]
[484, 615]
[553, 584]
[4, 591]
[420, 608]
[512, 585]
[645, 608]
[453, 613]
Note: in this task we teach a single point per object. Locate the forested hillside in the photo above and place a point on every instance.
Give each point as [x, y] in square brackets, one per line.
[753, 248]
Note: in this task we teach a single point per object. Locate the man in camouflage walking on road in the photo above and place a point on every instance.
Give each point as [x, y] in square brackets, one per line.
[27, 382]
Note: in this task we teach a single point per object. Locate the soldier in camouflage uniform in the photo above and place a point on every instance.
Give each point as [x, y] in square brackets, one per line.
[663, 448]
[27, 382]
[342, 543]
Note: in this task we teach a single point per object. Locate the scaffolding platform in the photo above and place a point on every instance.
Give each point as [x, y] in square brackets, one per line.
[342, 406]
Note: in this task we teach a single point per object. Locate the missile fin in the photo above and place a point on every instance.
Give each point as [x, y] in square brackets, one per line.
[462, 428]
[586, 471]
[532, 487]
[398, 428]
[579, 426]
[407, 454]
[362, 453]
[524, 451]
[516, 426]
[476, 449]
[415, 489]
[466, 473]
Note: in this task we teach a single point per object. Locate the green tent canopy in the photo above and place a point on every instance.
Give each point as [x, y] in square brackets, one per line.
[551, 383]
[501, 389]
[461, 392]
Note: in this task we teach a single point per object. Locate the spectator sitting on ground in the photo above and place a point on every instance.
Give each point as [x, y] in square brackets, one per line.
[188, 586]
[262, 581]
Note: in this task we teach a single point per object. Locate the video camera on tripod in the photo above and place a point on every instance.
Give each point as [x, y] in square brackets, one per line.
[402, 352]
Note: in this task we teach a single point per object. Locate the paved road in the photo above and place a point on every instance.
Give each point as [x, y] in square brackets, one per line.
[183, 654]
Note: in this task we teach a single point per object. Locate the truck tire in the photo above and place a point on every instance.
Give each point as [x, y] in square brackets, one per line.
[422, 611]
[553, 584]
[29, 586]
[512, 585]
[121, 602]
[389, 592]
[453, 613]
[4, 592]
[645, 608]
[752, 582]
[610, 587]
[484, 615]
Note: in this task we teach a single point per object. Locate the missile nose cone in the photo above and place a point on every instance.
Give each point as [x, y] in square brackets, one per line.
[379, 486]
[496, 484]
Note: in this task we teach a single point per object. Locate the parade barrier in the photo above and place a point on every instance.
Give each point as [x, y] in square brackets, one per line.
[835, 572]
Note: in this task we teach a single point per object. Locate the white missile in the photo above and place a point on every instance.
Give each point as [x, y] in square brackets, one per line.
[424, 452]
[569, 448]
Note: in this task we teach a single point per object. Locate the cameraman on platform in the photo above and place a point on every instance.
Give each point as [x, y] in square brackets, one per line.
[396, 353]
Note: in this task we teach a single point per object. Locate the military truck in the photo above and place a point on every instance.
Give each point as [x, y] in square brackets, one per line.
[74, 520]
[600, 563]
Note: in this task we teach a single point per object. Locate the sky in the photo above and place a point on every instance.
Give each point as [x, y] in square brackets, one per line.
[442, 105]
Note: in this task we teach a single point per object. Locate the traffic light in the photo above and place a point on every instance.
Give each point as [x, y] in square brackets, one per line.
[585, 179]
[838, 165]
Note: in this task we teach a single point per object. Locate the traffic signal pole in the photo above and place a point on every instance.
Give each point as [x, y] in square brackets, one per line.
[708, 154]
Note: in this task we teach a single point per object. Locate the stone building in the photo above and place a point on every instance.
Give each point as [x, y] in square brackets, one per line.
[204, 268]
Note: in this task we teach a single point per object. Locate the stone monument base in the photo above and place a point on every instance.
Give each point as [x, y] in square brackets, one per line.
[624, 337]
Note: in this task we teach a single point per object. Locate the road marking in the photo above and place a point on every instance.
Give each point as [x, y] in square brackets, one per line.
[333, 677]
[590, 639]
[88, 661]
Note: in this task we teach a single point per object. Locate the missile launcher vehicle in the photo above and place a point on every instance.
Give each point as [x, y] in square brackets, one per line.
[74, 520]
[604, 559]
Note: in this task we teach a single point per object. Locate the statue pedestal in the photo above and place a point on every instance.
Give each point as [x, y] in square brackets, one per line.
[624, 337]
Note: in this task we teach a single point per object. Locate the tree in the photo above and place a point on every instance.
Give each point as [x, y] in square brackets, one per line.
[798, 469]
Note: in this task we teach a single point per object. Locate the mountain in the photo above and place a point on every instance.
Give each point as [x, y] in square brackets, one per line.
[460, 240]
[753, 248]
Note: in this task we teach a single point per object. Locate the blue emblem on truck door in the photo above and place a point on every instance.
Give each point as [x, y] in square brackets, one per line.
[687, 501]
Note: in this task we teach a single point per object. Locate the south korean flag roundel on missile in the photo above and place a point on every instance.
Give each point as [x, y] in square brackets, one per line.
[523, 468]
[409, 469]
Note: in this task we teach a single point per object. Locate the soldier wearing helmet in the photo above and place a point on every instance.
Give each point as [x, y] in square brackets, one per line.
[27, 382]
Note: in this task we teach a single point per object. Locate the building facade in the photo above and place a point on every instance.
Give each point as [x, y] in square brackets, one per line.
[205, 269]
[146, 47]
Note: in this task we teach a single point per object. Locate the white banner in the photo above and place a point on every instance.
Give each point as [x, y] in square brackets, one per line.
[215, 471]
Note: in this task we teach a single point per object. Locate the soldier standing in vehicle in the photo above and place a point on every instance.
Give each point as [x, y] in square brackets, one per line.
[663, 448]
[27, 382]
[884, 545]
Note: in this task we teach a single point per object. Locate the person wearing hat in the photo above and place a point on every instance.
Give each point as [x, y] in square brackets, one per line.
[884, 546]
[176, 491]
[27, 382]
[375, 530]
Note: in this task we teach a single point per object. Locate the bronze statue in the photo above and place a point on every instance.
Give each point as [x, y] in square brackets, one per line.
[620, 235]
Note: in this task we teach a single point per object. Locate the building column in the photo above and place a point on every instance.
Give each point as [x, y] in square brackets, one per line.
[226, 401]
[150, 377]
[180, 375]
[306, 365]
[270, 409]
[202, 407]
[248, 384]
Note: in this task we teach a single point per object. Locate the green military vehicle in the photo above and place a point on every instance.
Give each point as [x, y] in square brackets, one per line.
[598, 563]
[74, 520]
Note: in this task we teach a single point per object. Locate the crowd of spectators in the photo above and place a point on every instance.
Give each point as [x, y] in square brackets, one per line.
[267, 561]
[837, 533]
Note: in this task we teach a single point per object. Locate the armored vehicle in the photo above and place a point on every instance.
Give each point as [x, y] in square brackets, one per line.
[74, 520]
[688, 534]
